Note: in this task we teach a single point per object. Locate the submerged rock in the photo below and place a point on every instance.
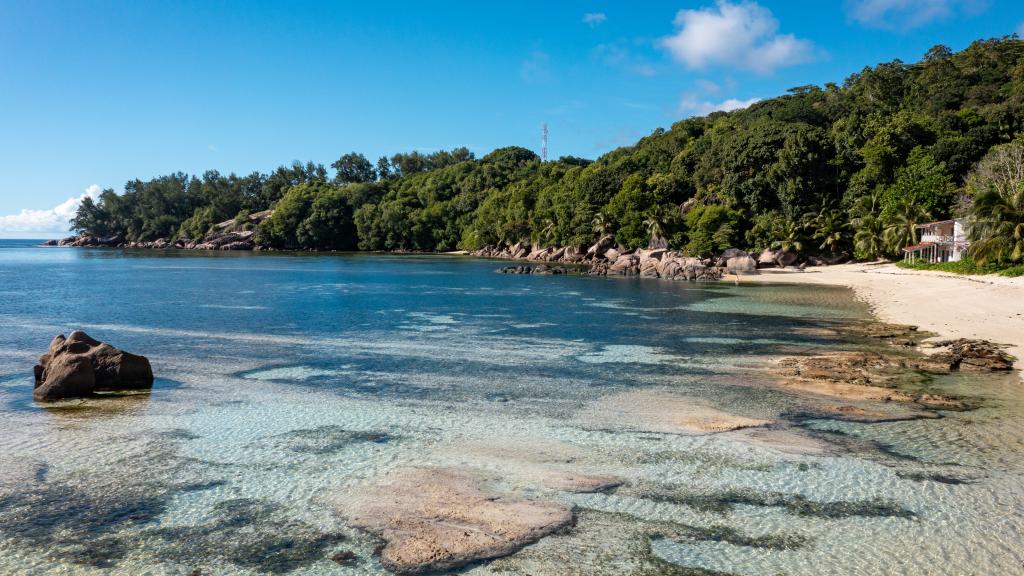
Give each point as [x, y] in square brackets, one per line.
[435, 519]
[663, 412]
[535, 465]
[79, 365]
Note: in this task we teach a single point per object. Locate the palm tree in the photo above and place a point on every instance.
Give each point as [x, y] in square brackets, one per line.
[900, 227]
[547, 233]
[790, 238]
[996, 228]
[869, 205]
[655, 229]
[600, 225]
[829, 227]
[868, 240]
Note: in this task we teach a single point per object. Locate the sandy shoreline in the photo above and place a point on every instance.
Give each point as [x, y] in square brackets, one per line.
[953, 306]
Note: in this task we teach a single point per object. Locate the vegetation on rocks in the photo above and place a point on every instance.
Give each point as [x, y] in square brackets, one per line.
[844, 168]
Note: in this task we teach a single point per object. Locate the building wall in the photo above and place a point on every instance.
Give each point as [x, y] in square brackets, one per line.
[959, 241]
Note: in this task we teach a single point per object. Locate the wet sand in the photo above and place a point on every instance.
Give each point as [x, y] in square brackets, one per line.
[953, 306]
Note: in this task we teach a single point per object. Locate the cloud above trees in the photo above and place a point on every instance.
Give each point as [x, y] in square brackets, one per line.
[693, 105]
[742, 35]
[34, 222]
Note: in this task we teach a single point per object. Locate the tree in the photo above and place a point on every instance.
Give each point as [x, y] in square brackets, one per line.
[869, 242]
[922, 181]
[384, 171]
[711, 228]
[628, 210]
[548, 232]
[655, 224]
[353, 168]
[830, 229]
[328, 225]
[791, 237]
[600, 225]
[901, 226]
[996, 226]
[91, 219]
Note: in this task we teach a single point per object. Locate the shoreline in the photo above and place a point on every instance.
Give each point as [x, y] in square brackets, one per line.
[953, 306]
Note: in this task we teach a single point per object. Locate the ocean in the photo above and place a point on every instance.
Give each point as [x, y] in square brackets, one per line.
[290, 384]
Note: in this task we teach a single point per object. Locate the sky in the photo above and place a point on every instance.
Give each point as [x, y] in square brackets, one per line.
[93, 94]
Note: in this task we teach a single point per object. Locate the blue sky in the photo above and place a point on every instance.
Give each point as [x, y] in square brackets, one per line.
[95, 93]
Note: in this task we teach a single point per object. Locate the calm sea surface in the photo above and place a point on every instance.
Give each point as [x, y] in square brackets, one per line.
[286, 381]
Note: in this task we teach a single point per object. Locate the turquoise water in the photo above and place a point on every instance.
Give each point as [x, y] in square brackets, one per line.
[286, 382]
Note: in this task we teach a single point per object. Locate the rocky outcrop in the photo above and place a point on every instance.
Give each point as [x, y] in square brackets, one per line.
[607, 259]
[600, 247]
[86, 241]
[541, 269]
[741, 265]
[228, 235]
[969, 354]
[776, 257]
[78, 366]
[437, 519]
[864, 376]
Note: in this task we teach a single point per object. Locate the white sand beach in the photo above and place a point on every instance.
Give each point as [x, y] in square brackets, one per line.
[954, 306]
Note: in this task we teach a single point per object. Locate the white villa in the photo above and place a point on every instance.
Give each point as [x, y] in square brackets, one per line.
[943, 241]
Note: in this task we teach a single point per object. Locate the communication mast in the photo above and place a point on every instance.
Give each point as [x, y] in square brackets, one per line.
[544, 143]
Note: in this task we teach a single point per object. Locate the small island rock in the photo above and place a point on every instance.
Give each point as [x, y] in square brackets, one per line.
[79, 365]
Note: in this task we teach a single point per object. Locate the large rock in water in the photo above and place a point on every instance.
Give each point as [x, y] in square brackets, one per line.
[436, 519]
[79, 365]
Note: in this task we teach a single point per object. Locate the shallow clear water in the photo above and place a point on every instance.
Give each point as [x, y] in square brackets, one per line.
[286, 382]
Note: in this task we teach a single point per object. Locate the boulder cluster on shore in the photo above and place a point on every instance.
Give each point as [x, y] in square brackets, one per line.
[607, 259]
[229, 235]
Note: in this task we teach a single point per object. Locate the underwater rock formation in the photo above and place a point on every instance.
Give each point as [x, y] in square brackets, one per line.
[435, 519]
[79, 365]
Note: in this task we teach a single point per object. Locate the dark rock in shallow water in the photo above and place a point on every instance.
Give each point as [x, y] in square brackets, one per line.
[79, 365]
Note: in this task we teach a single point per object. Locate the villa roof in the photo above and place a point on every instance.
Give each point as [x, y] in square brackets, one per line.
[936, 223]
[917, 247]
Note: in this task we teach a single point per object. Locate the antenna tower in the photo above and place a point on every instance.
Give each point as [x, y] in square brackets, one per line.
[544, 143]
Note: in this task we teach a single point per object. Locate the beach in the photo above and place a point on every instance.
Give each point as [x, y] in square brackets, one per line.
[952, 306]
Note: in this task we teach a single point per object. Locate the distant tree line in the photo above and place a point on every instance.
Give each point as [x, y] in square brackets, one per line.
[840, 168]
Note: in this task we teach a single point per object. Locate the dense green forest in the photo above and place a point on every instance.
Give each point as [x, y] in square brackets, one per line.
[840, 168]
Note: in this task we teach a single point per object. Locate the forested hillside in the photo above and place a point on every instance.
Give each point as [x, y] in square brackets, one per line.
[841, 168]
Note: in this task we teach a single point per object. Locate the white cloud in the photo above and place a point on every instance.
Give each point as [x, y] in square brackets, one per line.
[908, 14]
[52, 221]
[594, 19]
[743, 35]
[693, 105]
[1020, 30]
